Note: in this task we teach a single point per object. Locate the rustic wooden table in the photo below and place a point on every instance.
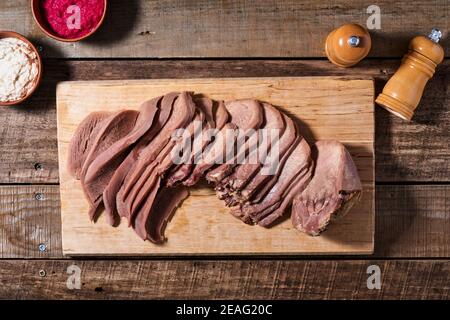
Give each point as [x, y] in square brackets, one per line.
[184, 39]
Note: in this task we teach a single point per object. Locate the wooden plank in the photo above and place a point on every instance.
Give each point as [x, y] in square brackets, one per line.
[417, 151]
[326, 107]
[29, 218]
[225, 279]
[204, 28]
[411, 222]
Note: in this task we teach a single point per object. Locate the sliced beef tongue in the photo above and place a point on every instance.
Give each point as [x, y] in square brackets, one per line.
[221, 118]
[181, 171]
[296, 169]
[268, 216]
[206, 106]
[82, 141]
[245, 114]
[142, 205]
[333, 190]
[216, 152]
[114, 185]
[273, 120]
[284, 146]
[126, 160]
[248, 116]
[182, 113]
[166, 202]
[113, 128]
[263, 188]
[103, 161]
[153, 175]
[103, 167]
[220, 113]
[129, 203]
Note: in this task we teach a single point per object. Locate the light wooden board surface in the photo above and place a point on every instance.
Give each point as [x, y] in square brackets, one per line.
[329, 108]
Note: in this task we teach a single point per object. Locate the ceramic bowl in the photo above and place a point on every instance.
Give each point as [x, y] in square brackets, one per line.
[43, 25]
[11, 34]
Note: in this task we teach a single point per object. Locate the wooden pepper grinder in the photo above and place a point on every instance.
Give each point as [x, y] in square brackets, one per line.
[403, 91]
[347, 45]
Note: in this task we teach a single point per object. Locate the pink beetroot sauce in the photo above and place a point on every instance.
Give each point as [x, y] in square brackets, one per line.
[56, 15]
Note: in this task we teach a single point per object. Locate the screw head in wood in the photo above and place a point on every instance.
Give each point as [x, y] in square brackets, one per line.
[42, 247]
[39, 196]
[42, 273]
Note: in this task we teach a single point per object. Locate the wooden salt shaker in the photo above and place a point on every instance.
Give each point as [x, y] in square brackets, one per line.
[347, 45]
[403, 91]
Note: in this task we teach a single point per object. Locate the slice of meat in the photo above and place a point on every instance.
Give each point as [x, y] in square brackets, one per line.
[220, 113]
[140, 223]
[297, 163]
[181, 171]
[206, 106]
[245, 114]
[183, 111]
[214, 153]
[166, 203]
[112, 129]
[152, 219]
[111, 191]
[221, 118]
[151, 180]
[261, 191]
[332, 192]
[270, 215]
[105, 164]
[82, 140]
[163, 162]
[144, 121]
[284, 145]
[142, 207]
[248, 116]
[130, 205]
[273, 121]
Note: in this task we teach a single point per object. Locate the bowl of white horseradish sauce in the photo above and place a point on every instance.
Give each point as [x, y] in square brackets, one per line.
[20, 68]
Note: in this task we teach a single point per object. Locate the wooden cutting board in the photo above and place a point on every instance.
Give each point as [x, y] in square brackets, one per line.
[324, 108]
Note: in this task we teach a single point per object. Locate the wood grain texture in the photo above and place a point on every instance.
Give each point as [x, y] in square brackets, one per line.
[413, 221]
[26, 222]
[226, 279]
[405, 227]
[235, 28]
[417, 151]
[326, 107]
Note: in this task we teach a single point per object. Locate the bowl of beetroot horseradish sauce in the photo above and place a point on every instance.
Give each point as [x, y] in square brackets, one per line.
[69, 20]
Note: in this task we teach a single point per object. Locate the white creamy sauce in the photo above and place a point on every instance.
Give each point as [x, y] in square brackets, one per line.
[18, 69]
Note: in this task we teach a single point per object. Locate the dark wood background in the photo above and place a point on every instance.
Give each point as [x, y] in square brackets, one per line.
[184, 39]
